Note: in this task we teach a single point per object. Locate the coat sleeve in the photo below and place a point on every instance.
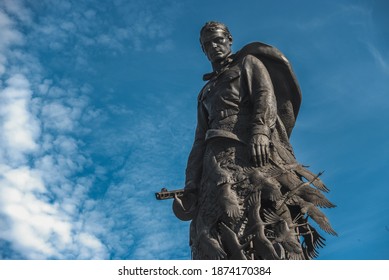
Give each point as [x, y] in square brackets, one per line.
[257, 83]
[195, 161]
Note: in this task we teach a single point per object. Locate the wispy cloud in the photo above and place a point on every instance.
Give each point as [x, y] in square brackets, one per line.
[40, 197]
[16, 8]
[77, 30]
[9, 37]
[379, 57]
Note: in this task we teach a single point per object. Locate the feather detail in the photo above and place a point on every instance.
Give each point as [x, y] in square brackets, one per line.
[312, 211]
[270, 188]
[229, 201]
[314, 196]
[283, 234]
[302, 171]
[312, 241]
[320, 219]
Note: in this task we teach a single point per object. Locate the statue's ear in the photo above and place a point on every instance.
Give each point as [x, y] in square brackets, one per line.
[203, 49]
[230, 39]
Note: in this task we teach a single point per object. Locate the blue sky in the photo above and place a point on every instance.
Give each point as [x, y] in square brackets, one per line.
[98, 110]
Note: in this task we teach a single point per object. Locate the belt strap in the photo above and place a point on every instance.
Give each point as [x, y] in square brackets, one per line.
[212, 133]
[234, 111]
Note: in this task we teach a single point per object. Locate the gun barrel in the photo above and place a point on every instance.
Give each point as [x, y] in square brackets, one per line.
[165, 194]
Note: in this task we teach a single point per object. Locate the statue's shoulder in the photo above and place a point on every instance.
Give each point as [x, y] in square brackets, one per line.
[261, 51]
[244, 60]
[286, 87]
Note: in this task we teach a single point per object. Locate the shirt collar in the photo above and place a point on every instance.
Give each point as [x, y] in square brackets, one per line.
[224, 67]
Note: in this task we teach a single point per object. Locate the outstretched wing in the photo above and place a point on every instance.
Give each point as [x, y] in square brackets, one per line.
[312, 241]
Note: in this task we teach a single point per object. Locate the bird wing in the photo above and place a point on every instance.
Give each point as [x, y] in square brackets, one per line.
[229, 201]
[320, 219]
[254, 201]
[302, 171]
[271, 190]
[314, 196]
[215, 172]
[271, 217]
[312, 241]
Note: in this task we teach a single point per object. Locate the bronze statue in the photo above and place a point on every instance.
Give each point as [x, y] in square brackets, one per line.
[247, 196]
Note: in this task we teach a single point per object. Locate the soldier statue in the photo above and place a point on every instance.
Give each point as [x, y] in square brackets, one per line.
[246, 195]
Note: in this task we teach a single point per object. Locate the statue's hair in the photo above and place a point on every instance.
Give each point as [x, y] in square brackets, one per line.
[212, 26]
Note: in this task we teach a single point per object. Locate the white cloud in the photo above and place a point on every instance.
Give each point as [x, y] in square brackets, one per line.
[3, 61]
[16, 8]
[92, 247]
[9, 36]
[20, 128]
[58, 117]
[33, 221]
[22, 178]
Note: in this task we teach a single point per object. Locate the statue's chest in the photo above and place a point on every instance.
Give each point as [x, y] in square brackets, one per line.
[223, 91]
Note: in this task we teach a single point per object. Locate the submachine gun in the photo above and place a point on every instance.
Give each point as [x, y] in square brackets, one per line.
[184, 207]
[165, 194]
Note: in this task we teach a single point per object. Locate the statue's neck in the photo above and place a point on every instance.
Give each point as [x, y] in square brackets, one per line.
[220, 66]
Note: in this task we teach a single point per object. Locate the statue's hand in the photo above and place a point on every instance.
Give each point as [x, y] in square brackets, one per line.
[259, 149]
[185, 206]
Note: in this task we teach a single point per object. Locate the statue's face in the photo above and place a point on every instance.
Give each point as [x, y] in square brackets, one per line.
[216, 45]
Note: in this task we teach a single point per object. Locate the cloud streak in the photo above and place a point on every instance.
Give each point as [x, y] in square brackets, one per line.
[379, 58]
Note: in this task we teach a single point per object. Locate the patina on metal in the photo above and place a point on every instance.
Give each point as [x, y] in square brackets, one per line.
[245, 193]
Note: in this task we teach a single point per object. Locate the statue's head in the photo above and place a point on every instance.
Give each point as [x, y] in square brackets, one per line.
[216, 41]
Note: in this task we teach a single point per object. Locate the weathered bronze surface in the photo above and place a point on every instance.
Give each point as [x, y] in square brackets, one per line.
[247, 196]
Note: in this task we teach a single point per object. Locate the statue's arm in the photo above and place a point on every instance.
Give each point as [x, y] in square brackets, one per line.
[195, 161]
[260, 88]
